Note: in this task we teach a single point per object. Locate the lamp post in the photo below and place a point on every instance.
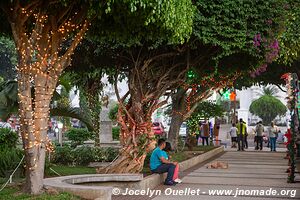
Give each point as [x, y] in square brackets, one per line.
[60, 126]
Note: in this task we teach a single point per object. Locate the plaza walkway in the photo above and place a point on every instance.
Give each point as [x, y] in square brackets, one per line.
[249, 170]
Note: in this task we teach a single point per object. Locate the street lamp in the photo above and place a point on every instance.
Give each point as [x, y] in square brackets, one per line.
[60, 126]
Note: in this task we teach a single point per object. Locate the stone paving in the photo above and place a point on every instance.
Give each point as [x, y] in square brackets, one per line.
[251, 171]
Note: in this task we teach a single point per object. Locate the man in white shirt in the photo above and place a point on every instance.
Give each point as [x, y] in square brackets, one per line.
[233, 134]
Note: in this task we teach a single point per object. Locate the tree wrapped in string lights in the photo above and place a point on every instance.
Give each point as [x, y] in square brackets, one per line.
[46, 34]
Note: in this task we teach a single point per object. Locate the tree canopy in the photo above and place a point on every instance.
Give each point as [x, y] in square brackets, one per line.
[46, 33]
[204, 111]
[267, 108]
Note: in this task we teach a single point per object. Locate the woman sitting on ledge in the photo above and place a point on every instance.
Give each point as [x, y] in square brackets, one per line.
[159, 164]
[166, 151]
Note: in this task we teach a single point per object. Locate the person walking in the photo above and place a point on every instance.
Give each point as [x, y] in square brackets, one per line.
[233, 134]
[259, 129]
[245, 136]
[273, 134]
[241, 126]
[204, 132]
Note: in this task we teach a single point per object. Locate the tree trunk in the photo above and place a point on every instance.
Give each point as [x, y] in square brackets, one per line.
[34, 115]
[35, 164]
[137, 140]
[136, 135]
[94, 106]
[178, 108]
[41, 60]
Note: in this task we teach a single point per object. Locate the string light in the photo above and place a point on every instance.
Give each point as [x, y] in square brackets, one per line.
[208, 82]
[40, 68]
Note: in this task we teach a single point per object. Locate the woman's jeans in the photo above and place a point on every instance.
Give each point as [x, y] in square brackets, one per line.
[273, 143]
[170, 168]
[204, 139]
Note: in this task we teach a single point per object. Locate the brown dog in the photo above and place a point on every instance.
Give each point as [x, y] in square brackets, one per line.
[217, 165]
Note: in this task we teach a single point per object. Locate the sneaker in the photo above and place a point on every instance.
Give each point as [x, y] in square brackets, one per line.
[170, 183]
[177, 180]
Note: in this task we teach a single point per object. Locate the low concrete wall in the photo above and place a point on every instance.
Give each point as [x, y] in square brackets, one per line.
[154, 180]
[68, 183]
[72, 184]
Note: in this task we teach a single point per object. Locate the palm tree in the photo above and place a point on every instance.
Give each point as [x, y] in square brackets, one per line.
[9, 105]
[268, 106]
[269, 90]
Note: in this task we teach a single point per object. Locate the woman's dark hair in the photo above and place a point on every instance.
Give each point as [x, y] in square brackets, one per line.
[168, 147]
[160, 141]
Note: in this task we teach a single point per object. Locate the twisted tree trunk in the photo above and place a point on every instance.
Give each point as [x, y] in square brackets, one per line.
[150, 75]
[137, 139]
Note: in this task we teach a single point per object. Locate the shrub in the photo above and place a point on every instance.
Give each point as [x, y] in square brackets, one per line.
[78, 135]
[113, 112]
[10, 158]
[8, 138]
[63, 155]
[111, 154]
[116, 133]
[99, 155]
[83, 155]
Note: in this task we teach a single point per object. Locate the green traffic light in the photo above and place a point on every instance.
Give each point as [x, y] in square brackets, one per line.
[191, 74]
[226, 95]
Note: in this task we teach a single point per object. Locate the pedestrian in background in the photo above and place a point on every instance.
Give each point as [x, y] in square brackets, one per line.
[204, 132]
[259, 130]
[216, 131]
[233, 134]
[273, 134]
[245, 136]
[241, 126]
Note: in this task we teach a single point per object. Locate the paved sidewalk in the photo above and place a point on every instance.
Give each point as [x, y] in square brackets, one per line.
[249, 170]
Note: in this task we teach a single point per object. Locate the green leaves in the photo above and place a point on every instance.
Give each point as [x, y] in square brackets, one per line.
[267, 108]
[204, 110]
[289, 39]
[134, 22]
[230, 25]
[8, 57]
[8, 138]
[78, 135]
[8, 99]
